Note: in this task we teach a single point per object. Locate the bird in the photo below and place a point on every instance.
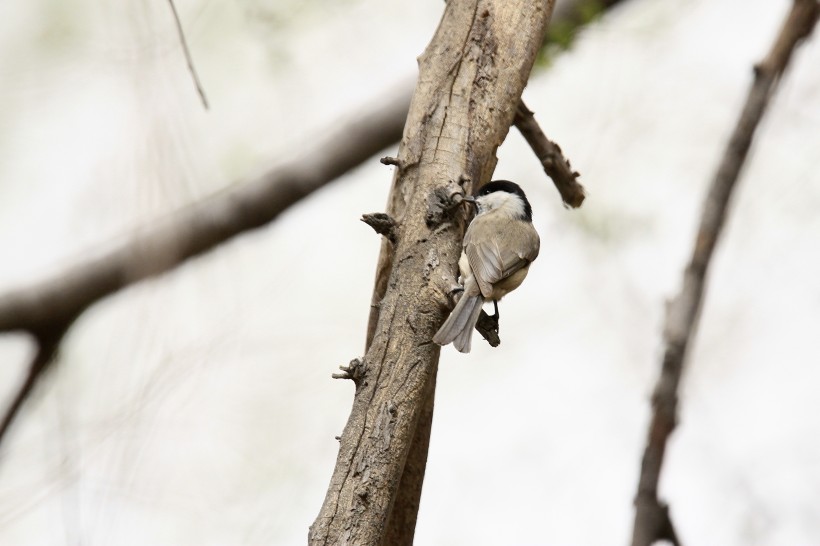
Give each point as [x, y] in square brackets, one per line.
[498, 248]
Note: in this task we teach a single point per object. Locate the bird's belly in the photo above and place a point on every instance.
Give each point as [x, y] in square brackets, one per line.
[505, 286]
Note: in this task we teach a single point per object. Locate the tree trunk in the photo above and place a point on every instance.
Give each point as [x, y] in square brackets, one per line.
[470, 81]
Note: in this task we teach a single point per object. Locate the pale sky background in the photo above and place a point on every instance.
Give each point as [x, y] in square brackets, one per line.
[198, 409]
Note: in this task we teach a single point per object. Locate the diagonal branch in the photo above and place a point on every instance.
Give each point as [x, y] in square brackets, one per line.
[54, 303]
[652, 521]
[202, 226]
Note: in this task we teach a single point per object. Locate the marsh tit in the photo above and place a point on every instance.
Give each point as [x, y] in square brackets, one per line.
[498, 248]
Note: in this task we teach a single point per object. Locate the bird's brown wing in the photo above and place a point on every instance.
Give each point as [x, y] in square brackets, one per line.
[492, 261]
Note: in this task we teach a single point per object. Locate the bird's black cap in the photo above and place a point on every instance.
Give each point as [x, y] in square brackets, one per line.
[509, 187]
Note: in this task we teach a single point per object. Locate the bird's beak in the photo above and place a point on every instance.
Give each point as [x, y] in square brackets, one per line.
[470, 199]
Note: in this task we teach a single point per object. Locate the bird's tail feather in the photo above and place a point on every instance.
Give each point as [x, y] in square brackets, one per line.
[458, 328]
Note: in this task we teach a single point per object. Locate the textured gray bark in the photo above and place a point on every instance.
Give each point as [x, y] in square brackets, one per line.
[470, 81]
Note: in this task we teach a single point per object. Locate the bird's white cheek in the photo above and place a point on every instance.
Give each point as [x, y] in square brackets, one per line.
[512, 207]
[502, 202]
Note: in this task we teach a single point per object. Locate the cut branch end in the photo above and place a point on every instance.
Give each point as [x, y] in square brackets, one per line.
[353, 371]
[395, 161]
[556, 166]
[382, 223]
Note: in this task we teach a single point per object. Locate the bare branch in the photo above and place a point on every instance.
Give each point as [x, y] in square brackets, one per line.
[652, 521]
[552, 159]
[202, 226]
[188, 58]
[53, 304]
[470, 80]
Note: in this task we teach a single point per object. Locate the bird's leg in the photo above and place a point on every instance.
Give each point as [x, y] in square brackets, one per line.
[487, 326]
[455, 292]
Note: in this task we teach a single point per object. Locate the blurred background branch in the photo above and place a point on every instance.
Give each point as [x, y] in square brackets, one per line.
[652, 520]
[57, 302]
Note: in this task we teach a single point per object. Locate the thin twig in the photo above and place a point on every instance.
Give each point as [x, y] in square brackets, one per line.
[188, 58]
[652, 521]
[551, 157]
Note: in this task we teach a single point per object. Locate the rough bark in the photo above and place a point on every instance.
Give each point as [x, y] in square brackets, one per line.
[401, 526]
[652, 519]
[470, 81]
